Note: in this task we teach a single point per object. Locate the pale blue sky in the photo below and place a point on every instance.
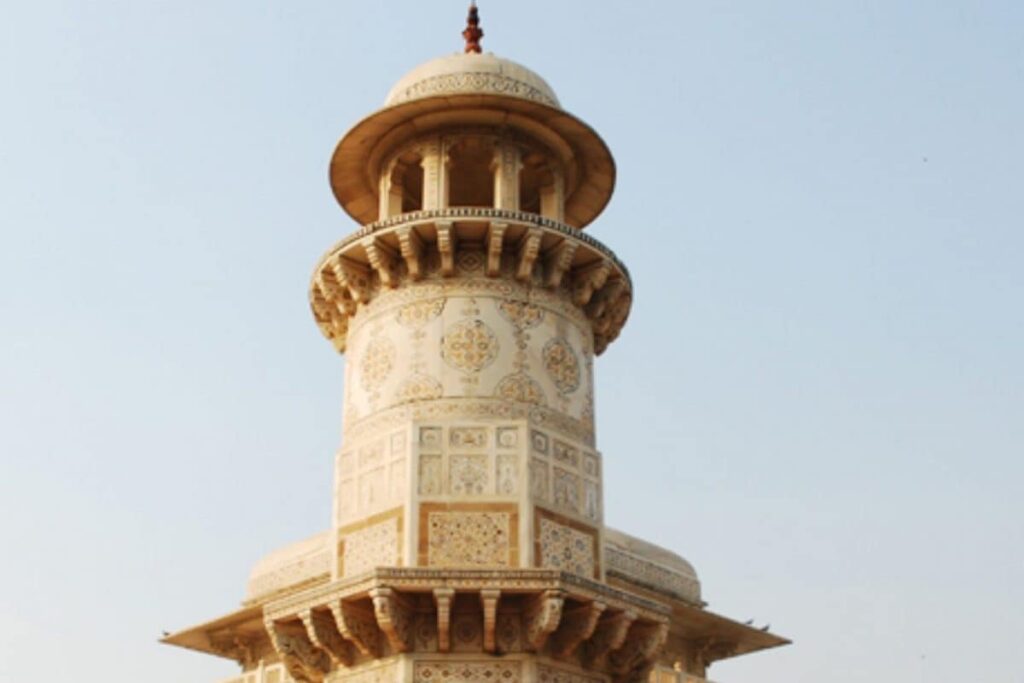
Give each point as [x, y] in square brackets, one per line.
[817, 399]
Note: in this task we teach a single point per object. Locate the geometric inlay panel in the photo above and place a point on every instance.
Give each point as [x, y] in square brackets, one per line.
[468, 535]
[475, 671]
[565, 548]
[468, 539]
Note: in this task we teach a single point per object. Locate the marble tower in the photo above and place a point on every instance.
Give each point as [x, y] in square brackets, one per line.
[468, 540]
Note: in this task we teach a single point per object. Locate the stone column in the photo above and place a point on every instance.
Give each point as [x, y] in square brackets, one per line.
[435, 174]
[506, 166]
[390, 192]
[552, 197]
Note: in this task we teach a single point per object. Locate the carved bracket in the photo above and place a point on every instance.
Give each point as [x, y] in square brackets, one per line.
[609, 635]
[323, 633]
[443, 597]
[640, 650]
[489, 598]
[382, 258]
[411, 247]
[529, 247]
[495, 237]
[394, 617]
[542, 618]
[558, 261]
[446, 247]
[305, 662]
[353, 276]
[236, 647]
[577, 625]
[589, 279]
[358, 626]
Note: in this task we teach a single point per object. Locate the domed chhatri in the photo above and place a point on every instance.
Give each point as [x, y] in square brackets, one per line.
[467, 540]
[483, 90]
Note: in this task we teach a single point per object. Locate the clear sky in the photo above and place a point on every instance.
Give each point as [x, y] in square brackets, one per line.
[818, 399]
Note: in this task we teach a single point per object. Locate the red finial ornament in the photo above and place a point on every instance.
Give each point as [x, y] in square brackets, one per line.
[473, 32]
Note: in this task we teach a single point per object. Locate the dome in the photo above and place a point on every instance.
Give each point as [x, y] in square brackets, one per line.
[471, 73]
[650, 565]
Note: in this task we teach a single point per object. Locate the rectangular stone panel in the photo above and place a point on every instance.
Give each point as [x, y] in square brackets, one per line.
[468, 535]
[506, 474]
[431, 475]
[566, 490]
[371, 454]
[507, 437]
[397, 444]
[468, 475]
[462, 671]
[539, 480]
[430, 439]
[565, 544]
[539, 442]
[467, 437]
[565, 454]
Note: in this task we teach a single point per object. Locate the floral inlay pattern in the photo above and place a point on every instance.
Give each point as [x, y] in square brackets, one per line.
[468, 437]
[562, 365]
[419, 387]
[538, 479]
[506, 470]
[468, 539]
[468, 474]
[419, 313]
[431, 483]
[520, 387]
[565, 548]
[469, 346]
[521, 314]
[567, 490]
[377, 362]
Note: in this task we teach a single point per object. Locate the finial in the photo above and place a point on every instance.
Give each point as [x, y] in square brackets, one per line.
[473, 32]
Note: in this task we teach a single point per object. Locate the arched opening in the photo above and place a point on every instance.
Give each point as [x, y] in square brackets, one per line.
[534, 177]
[471, 172]
[407, 183]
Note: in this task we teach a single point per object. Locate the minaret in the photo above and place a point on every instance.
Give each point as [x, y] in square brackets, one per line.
[468, 539]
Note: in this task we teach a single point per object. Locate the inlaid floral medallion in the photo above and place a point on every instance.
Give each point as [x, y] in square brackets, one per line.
[562, 365]
[520, 387]
[377, 362]
[469, 345]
